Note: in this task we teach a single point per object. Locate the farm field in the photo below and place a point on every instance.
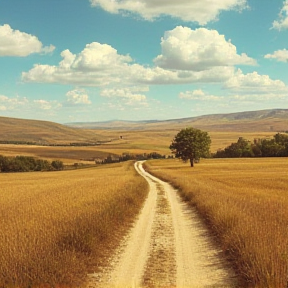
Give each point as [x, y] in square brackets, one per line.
[245, 204]
[159, 140]
[58, 226]
[135, 142]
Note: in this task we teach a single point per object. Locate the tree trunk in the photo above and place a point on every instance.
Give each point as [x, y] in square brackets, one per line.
[192, 162]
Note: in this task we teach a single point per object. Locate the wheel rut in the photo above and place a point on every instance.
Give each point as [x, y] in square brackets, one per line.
[160, 269]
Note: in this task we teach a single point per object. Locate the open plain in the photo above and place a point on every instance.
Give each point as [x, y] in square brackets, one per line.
[59, 227]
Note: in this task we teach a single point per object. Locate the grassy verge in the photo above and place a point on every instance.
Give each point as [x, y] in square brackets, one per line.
[245, 203]
[57, 227]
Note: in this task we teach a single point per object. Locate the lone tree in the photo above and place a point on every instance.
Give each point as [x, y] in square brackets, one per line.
[191, 144]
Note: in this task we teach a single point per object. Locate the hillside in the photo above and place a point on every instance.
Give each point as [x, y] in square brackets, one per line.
[145, 134]
[272, 120]
[43, 132]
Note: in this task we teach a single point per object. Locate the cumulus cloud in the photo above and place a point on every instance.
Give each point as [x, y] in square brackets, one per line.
[77, 97]
[130, 95]
[47, 105]
[282, 22]
[8, 103]
[253, 82]
[201, 11]
[279, 55]
[101, 65]
[97, 65]
[20, 103]
[159, 76]
[21, 44]
[198, 50]
[199, 95]
[100, 57]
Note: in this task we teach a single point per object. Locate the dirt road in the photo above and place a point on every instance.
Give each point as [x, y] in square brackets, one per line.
[167, 247]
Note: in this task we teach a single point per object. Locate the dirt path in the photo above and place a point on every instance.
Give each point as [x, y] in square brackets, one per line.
[167, 247]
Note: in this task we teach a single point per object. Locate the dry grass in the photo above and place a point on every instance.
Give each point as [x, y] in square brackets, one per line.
[66, 154]
[13, 129]
[135, 142]
[56, 226]
[245, 202]
[159, 140]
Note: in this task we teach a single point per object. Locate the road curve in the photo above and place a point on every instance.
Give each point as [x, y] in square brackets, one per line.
[168, 246]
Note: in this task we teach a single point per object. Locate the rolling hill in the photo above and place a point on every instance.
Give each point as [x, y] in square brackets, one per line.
[263, 120]
[43, 132]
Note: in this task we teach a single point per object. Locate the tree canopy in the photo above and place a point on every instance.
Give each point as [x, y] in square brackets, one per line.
[191, 144]
[27, 163]
[275, 147]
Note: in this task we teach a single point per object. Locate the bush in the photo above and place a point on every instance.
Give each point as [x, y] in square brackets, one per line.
[27, 164]
[57, 165]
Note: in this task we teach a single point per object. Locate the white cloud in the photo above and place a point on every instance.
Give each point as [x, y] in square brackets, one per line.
[279, 55]
[201, 11]
[20, 103]
[255, 83]
[282, 22]
[47, 105]
[260, 97]
[7, 103]
[199, 95]
[97, 65]
[17, 43]
[77, 96]
[159, 76]
[128, 94]
[100, 65]
[198, 50]
[100, 57]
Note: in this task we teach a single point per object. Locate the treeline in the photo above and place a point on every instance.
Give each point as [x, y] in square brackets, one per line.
[127, 157]
[275, 147]
[28, 164]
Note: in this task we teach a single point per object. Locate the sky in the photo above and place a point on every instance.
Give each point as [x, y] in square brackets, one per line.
[100, 60]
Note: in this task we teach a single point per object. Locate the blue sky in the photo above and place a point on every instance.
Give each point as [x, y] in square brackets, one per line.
[97, 60]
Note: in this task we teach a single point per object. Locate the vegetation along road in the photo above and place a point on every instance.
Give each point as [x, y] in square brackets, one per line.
[167, 247]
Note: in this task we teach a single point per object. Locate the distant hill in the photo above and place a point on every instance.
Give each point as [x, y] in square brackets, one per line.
[43, 132]
[263, 120]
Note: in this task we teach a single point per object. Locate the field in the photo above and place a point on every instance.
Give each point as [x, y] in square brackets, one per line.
[57, 226]
[135, 142]
[245, 204]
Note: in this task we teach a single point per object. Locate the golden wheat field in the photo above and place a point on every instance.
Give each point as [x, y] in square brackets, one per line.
[134, 142]
[245, 204]
[56, 226]
[159, 140]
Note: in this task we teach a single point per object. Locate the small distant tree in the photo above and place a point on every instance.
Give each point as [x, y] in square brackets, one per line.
[191, 144]
[57, 165]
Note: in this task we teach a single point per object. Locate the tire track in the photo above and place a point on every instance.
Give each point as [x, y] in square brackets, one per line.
[167, 247]
[161, 265]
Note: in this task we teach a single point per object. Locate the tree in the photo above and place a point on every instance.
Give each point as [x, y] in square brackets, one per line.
[191, 144]
[57, 165]
[242, 148]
